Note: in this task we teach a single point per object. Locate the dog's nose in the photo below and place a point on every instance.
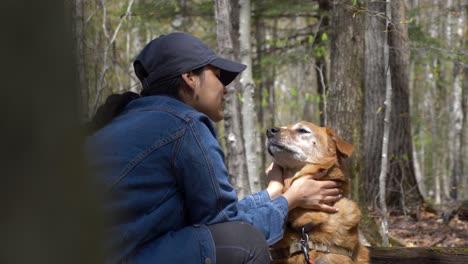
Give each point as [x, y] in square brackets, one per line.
[272, 131]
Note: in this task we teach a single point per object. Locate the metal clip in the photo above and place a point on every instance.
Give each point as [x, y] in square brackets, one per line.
[305, 244]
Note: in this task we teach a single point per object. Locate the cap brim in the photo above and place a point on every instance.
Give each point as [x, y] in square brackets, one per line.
[229, 69]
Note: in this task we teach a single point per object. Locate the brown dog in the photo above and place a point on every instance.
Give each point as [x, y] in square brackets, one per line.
[305, 148]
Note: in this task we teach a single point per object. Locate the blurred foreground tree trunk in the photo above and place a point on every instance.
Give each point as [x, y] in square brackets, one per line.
[226, 16]
[49, 208]
[347, 82]
[402, 189]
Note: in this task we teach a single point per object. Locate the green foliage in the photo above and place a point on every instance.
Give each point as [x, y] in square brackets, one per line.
[294, 91]
[279, 8]
[419, 36]
[264, 102]
[324, 36]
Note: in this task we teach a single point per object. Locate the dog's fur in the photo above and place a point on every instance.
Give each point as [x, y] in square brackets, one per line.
[305, 148]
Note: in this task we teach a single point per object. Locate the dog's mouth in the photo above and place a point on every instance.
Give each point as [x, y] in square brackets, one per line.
[275, 147]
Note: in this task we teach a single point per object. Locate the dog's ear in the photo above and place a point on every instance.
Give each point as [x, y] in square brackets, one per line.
[342, 146]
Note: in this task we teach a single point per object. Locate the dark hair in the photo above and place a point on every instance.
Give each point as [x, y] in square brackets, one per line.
[170, 87]
[115, 103]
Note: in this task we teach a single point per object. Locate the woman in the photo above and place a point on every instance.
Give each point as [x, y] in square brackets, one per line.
[168, 196]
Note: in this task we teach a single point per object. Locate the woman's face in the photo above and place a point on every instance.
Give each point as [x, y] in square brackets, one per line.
[210, 94]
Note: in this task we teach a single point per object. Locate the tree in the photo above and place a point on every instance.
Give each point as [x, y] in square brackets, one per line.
[403, 192]
[347, 81]
[226, 26]
[464, 132]
[250, 132]
[374, 95]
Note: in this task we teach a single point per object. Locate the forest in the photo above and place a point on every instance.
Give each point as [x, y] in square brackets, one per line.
[389, 76]
[392, 72]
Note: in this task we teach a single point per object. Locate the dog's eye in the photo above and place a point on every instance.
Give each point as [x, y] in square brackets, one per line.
[302, 130]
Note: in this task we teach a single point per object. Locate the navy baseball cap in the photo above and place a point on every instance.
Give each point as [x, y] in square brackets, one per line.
[176, 53]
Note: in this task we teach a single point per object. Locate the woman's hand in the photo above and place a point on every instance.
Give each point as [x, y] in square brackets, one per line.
[308, 192]
[275, 180]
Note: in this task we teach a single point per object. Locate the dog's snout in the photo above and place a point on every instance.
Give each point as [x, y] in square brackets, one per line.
[272, 131]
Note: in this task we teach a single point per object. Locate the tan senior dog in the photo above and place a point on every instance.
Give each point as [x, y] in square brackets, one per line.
[313, 236]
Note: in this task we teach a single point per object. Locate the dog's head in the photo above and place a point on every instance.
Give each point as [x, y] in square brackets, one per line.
[304, 143]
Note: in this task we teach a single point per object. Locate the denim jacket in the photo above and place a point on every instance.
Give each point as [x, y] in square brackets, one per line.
[163, 176]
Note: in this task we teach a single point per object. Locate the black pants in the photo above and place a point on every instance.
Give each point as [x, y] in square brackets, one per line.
[239, 242]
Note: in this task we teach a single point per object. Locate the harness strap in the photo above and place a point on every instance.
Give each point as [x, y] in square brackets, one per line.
[281, 253]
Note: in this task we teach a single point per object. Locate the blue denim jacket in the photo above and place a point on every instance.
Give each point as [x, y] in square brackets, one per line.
[163, 175]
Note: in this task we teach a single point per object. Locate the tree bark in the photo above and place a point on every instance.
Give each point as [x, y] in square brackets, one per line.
[261, 94]
[457, 121]
[403, 193]
[225, 15]
[374, 96]
[464, 144]
[347, 83]
[249, 128]
[384, 164]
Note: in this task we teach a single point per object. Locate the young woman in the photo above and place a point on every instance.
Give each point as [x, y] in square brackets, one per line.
[167, 194]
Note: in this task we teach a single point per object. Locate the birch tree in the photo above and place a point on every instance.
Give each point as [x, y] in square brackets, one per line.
[458, 107]
[225, 15]
[111, 38]
[250, 131]
[384, 164]
[457, 121]
[464, 144]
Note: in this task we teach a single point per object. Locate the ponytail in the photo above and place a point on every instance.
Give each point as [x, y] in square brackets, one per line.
[114, 105]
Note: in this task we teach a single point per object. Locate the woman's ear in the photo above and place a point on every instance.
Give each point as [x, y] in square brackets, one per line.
[190, 79]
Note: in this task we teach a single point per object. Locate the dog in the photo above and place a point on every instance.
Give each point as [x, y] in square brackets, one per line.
[313, 236]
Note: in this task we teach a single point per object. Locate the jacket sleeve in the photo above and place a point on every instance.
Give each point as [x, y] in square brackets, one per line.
[209, 197]
[254, 200]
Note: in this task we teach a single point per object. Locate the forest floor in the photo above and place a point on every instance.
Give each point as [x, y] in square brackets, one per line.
[429, 231]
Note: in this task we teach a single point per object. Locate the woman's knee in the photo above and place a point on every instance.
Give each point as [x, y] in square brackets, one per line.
[242, 240]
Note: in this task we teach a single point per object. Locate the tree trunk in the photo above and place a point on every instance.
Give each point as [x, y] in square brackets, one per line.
[384, 163]
[261, 94]
[375, 83]
[226, 15]
[444, 98]
[249, 128]
[346, 82]
[464, 144]
[456, 129]
[403, 193]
